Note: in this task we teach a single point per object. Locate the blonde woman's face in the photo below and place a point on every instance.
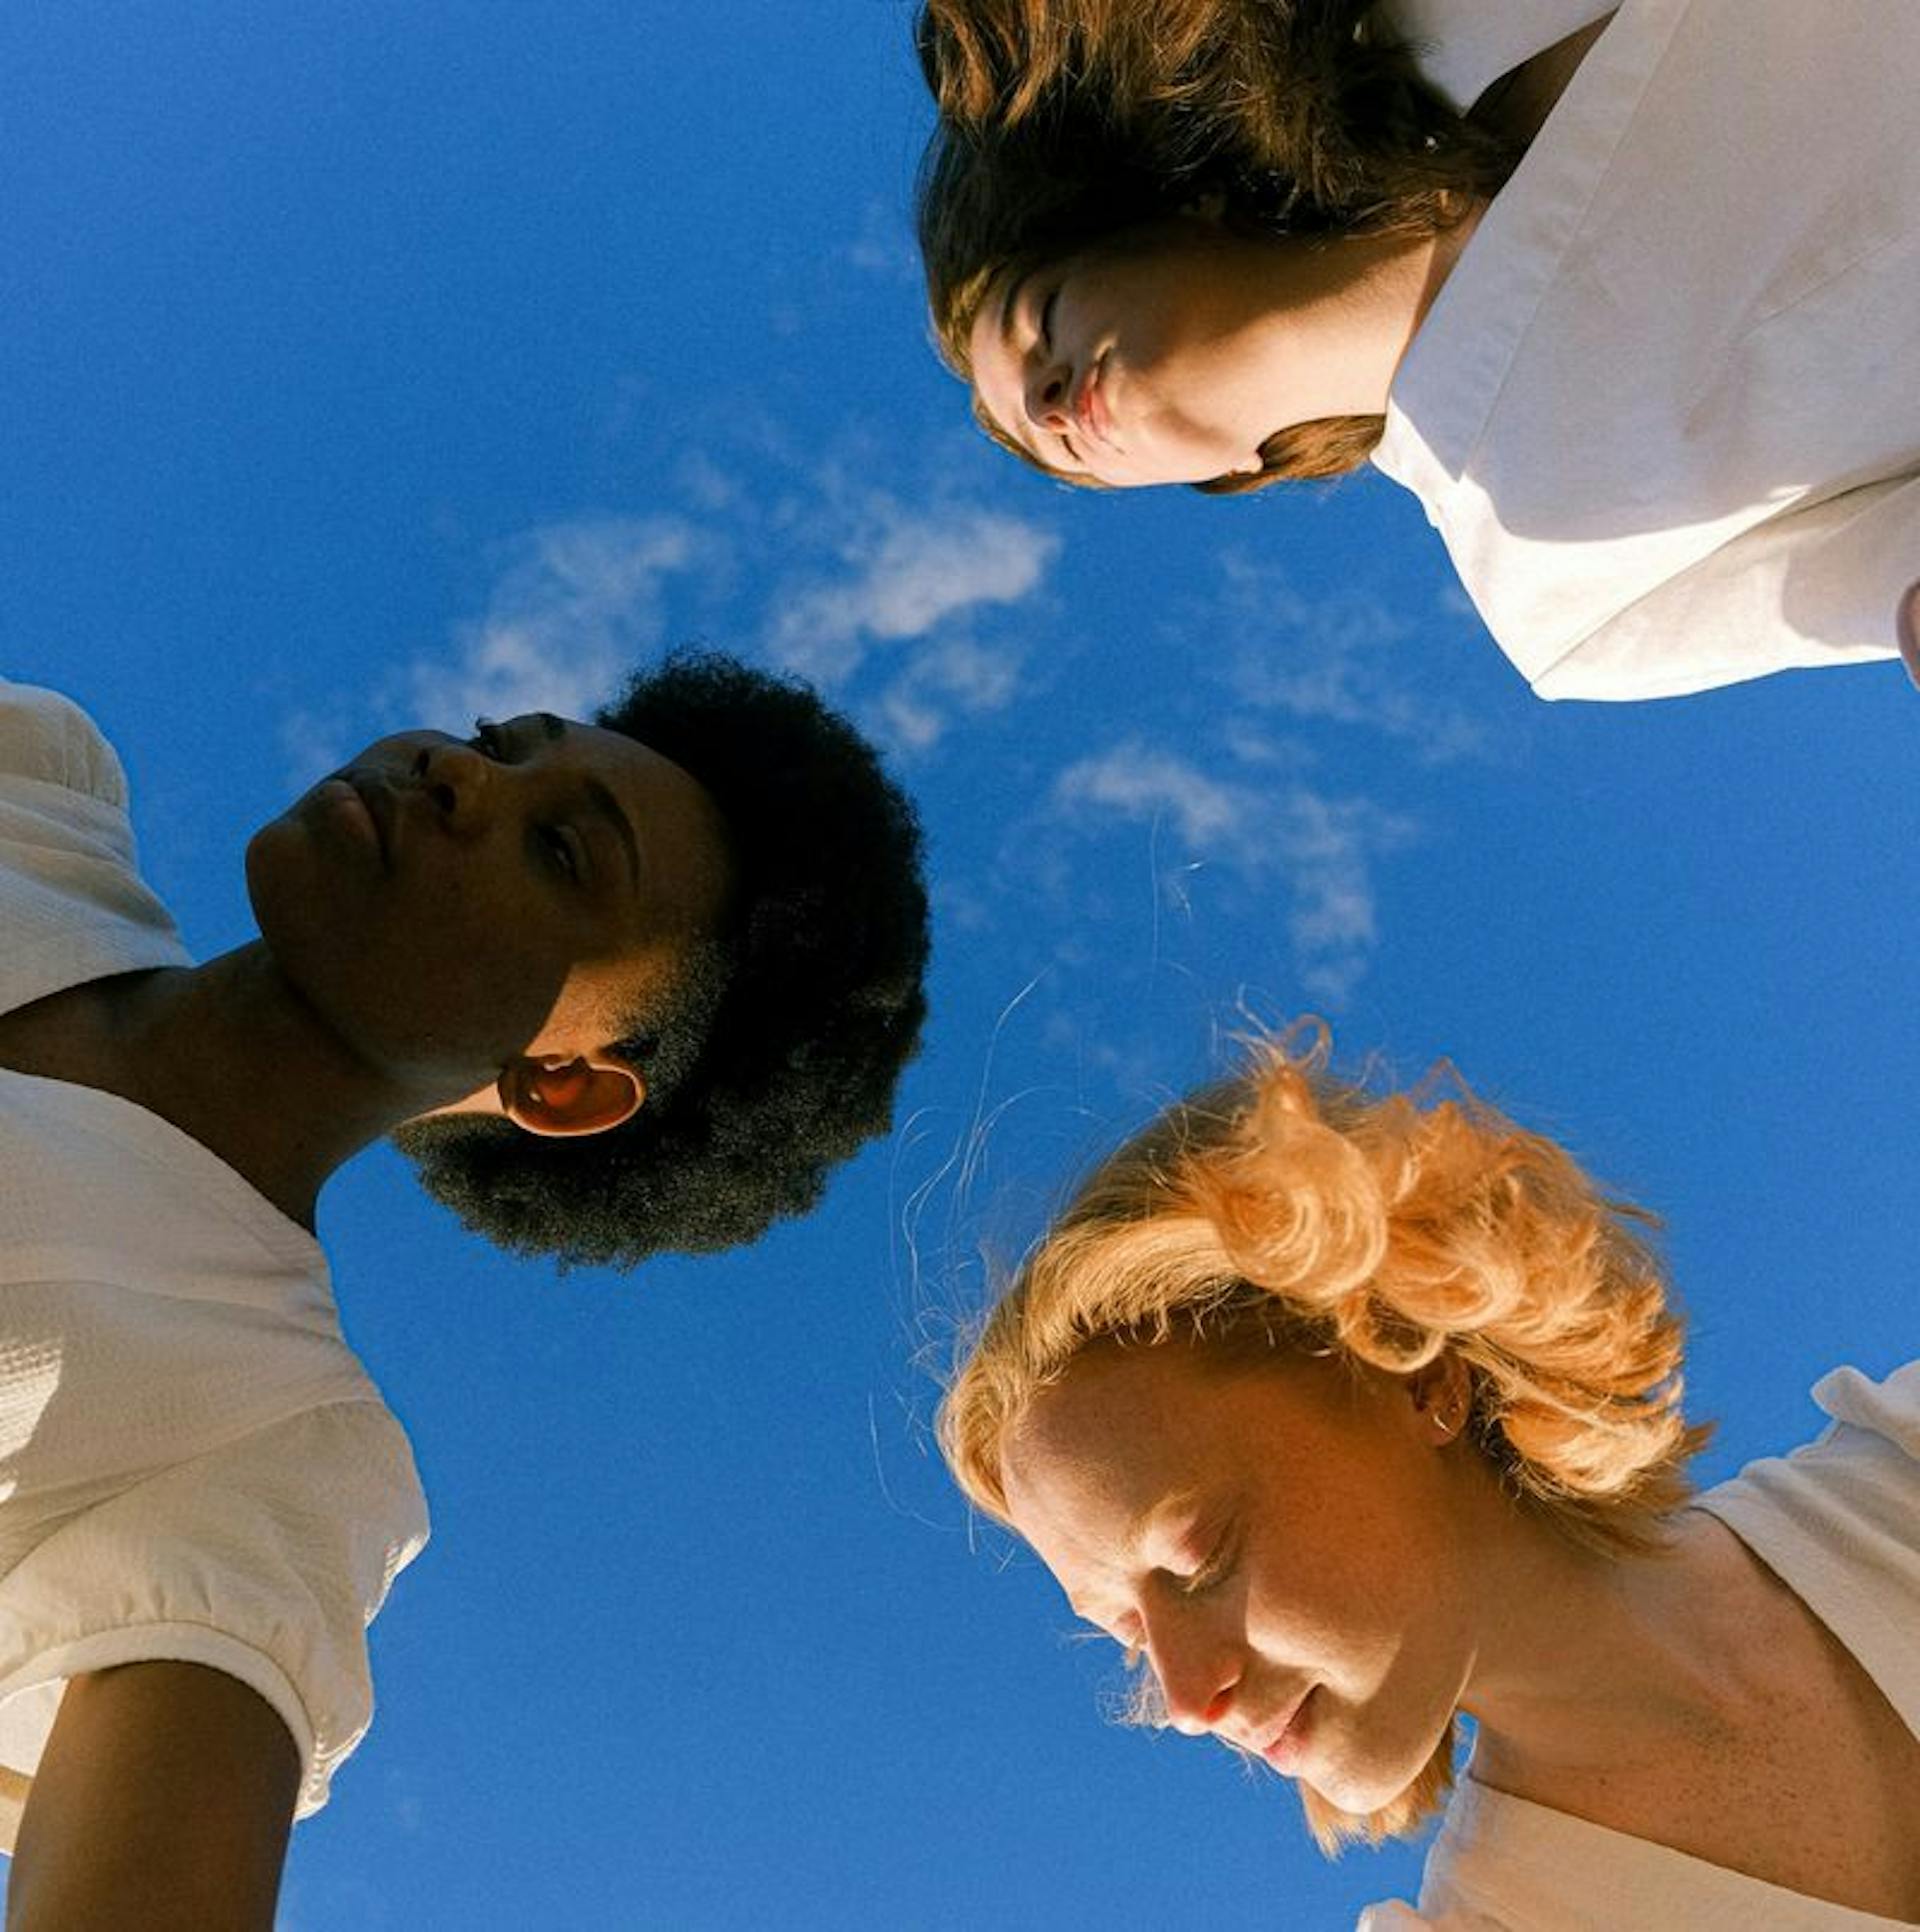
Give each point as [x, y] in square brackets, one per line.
[1133, 362]
[1286, 1546]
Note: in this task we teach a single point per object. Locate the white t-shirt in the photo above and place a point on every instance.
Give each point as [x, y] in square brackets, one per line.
[193, 1464]
[1838, 1521]
[1665, 411]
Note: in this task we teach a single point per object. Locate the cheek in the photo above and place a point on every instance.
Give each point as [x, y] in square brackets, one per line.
[416, 979]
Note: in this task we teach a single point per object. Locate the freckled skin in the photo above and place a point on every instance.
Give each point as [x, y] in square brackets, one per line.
[1339, 1527]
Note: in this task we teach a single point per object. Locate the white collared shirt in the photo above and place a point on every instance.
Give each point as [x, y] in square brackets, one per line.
[1665, 411]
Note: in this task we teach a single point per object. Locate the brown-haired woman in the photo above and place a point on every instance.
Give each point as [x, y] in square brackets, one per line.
[1629, 299]
[1350, 1414]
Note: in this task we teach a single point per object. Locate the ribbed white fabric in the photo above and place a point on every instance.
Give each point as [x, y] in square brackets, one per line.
[1664, 411]
[1839, 1523]
[193, 1464]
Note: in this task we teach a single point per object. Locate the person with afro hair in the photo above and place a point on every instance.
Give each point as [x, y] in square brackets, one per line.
[779, 1059]
[618, 987]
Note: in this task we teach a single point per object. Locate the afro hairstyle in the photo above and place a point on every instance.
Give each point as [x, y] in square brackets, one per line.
[780, 1054]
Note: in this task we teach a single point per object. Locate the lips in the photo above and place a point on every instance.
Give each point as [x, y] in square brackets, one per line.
[366, 805]
[1285, 1748]
[378, 798]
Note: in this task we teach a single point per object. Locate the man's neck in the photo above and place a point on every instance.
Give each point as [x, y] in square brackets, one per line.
[230, 1054]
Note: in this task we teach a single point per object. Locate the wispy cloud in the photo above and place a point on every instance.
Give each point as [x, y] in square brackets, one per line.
[579, 603]
[1134, 781]
[903, 574]
[909, 619]
[1322, 850]
[1351, 657]
[900, 613]
[884, 245]
[576, 606]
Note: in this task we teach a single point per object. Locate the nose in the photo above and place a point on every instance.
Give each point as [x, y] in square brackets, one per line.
[1048, 394]
[457, 780]
[1198, 1674]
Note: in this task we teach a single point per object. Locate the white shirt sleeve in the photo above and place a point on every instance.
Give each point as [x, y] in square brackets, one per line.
[47, 739]
[265, 1559]
[1810, 587]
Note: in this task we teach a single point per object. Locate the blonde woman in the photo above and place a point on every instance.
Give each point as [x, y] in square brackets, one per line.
[1349, 1416]
[1629, 300]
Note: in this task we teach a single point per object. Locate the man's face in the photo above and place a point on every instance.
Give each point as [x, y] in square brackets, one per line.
[449, 906]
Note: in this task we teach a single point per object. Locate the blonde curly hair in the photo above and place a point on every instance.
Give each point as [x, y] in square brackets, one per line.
[1288, 1207]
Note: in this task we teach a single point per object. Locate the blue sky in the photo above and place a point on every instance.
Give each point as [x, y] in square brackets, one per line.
[375, 364]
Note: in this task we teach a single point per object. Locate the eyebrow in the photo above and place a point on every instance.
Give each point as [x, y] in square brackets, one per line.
[597, 794]
[609, 808]
[1139, 1526]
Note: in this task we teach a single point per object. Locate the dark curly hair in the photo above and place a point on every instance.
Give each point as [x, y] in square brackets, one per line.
[780, 1055]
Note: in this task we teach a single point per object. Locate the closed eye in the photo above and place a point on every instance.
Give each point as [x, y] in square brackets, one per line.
[1215, 1570]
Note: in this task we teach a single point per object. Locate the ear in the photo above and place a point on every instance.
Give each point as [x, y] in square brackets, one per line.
[583, 1096]
[1442, 1397]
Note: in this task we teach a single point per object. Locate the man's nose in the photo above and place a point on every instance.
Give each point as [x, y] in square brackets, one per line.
[458, 781]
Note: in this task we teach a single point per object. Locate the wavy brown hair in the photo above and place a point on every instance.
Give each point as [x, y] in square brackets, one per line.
[1065, 121]
[1286, 1208]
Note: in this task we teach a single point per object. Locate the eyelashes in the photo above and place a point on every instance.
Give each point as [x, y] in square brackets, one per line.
[560, 844]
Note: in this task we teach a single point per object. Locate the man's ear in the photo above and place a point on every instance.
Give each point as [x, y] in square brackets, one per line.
[583, 1096]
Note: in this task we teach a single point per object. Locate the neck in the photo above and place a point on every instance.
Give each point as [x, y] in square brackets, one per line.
[1340, 315]
[230, 1053]
[1591, 1664]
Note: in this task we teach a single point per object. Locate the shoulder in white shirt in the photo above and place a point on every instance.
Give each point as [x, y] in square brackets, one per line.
[1839, 1522]
[193, 1463]
[1663, 411]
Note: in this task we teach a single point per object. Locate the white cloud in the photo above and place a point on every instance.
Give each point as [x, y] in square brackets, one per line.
[1351, 657]
[906, 574]
[884, 246]
[562, 627]
[948, 675]
[1132, 781]
[1322, 849]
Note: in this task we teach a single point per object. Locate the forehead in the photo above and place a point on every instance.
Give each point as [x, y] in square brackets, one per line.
[1124, 1437]
[677, 824]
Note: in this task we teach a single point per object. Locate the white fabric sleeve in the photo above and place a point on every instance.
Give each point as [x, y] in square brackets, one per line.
[266, 1559]
[48, 739]
[1814, 586]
